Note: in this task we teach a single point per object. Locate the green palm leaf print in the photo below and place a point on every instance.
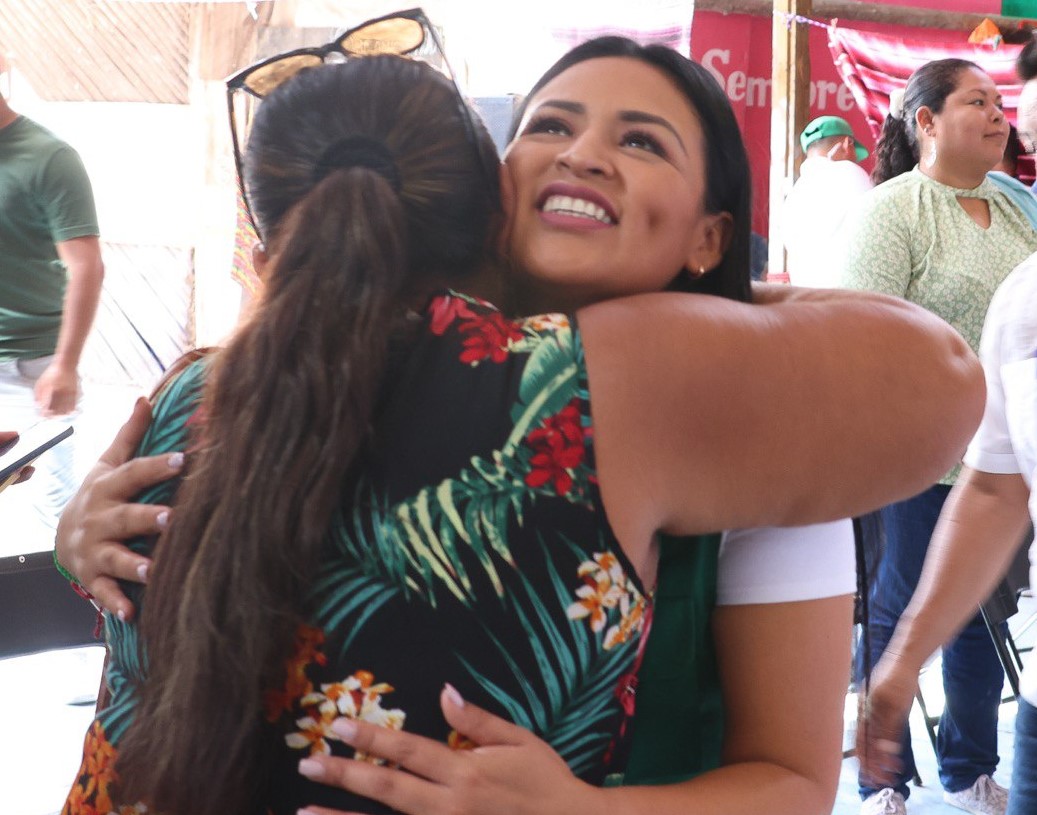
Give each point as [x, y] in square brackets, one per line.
[569, 702]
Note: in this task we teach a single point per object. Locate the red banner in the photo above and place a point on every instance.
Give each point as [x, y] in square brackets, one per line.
[736, 49]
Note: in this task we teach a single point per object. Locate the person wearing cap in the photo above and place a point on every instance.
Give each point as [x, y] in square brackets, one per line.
[830, 183]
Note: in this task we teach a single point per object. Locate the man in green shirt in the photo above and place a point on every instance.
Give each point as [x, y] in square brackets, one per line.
[50, 284]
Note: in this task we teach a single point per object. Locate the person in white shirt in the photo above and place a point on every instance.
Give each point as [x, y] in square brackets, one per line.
[983, 523]
[830, 183]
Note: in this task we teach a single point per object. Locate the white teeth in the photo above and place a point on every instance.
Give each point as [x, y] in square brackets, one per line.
[576, 206]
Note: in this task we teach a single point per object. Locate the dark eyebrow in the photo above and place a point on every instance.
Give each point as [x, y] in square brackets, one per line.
[983, 92]
[572, 107]
[997, 99]
[640, 117]
[631, 116]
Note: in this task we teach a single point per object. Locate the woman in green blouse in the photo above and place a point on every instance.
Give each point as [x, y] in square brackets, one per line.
[939, 233]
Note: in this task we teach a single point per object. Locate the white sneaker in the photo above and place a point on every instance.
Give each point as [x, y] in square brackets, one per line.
[884, 802]
[985, 797]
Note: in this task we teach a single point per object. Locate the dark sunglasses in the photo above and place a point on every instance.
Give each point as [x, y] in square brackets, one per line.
[403, 33]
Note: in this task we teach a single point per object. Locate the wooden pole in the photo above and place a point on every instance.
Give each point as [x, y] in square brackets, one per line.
[790, 106]
[223, 40]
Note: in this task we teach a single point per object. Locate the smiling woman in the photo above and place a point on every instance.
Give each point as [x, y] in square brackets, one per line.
[431, 492]
[630, 165]
[938, 232]
[647, 138]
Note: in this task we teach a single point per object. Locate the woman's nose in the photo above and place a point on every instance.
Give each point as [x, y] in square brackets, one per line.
[585, 157]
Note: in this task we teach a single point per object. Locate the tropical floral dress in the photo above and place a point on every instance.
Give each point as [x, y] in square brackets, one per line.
[476, 552]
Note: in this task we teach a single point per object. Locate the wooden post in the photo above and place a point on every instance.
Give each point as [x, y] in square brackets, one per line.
[223, 40]
[790, 105]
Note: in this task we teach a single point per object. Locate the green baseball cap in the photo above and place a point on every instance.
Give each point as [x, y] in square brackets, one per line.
[825, 126]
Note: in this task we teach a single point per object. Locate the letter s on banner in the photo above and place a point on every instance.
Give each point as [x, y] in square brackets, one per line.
[710, 60]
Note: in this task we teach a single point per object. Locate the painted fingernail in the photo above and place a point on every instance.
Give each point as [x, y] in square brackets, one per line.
[142, 568]
[453, 695]
[311, 769]
[176, 461]
[162, 521]
[344, 728]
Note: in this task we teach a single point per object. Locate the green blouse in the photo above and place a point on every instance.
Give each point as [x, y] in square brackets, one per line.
[911, 238]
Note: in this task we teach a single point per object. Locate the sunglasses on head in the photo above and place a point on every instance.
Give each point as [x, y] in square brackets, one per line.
[403, 33]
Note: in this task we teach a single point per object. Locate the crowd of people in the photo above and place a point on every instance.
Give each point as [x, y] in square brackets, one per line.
[485, 507]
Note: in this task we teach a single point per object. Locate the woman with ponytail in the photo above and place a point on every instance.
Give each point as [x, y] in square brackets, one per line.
[455, 511]
[938, 232]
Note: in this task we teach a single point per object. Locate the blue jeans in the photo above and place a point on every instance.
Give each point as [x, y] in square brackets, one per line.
[966, 740]
[1022, 798]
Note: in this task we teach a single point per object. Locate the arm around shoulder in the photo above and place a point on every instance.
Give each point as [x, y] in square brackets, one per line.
[818, 409]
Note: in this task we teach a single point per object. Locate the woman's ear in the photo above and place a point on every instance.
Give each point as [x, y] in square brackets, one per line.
[715, 234]
[260, 259]
[924, 118]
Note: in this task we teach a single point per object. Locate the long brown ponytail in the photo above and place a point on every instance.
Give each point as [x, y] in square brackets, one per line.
[290, 405]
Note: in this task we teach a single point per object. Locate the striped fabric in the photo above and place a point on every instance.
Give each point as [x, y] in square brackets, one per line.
[676, 35]
[649, 22]
[873, 65]
[244, 239]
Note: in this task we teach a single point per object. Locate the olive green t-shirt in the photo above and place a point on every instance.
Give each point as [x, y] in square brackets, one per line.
[45, 198]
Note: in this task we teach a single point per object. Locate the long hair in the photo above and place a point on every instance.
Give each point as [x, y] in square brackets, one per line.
[728, 182]
[369, 190]
[929, 86]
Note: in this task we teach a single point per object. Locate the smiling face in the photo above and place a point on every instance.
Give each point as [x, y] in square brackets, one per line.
[607, 178]
[971, 130]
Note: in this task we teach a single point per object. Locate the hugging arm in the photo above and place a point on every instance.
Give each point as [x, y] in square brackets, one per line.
[99, 517]
[817, 409]
[732, 377]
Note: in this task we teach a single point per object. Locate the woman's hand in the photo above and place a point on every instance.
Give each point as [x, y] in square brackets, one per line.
[7, 440]
[511, 772]
[881, 718]
[99, 518]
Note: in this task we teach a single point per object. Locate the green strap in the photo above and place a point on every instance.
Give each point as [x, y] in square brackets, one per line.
[65, 573]
[678, 724]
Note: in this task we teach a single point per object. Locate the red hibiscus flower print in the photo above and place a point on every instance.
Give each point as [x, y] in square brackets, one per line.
[488, 337]
[557, 450]
[444, 310]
